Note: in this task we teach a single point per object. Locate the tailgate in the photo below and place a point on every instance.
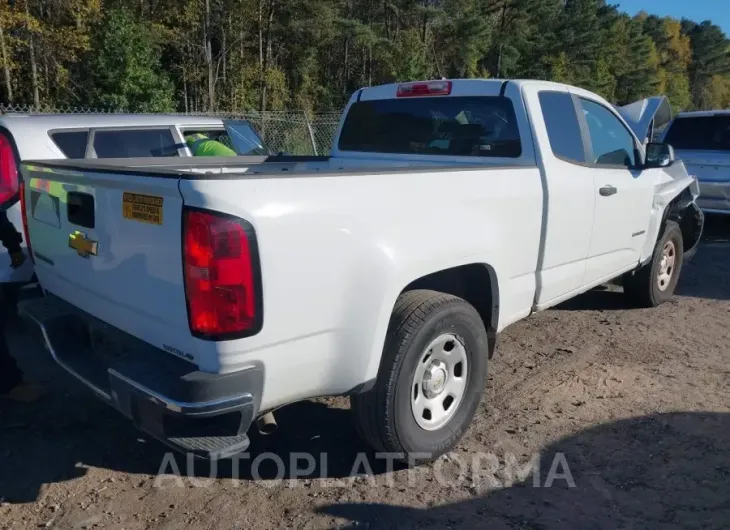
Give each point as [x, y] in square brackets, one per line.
[110, 244]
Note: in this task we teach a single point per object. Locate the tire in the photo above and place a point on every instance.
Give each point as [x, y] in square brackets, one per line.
[451, 329]
[644, 287]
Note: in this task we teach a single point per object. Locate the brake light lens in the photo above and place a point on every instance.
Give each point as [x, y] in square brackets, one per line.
[8, 171]
[424, 88]
[222, 283]
[24, 214]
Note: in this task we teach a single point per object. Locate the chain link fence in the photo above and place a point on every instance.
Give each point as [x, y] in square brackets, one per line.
[292, 132]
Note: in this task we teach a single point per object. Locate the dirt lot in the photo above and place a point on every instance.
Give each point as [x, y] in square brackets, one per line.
[631, 407]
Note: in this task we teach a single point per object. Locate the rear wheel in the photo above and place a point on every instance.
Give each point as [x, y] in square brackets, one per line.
[431, 378]
[654, 283]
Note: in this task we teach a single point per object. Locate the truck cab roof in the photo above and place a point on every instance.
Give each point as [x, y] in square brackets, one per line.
[459, 87]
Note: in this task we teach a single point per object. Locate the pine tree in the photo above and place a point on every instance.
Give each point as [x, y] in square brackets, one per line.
[126, 69]
[196, 55]
[641, 77]
[710, 61]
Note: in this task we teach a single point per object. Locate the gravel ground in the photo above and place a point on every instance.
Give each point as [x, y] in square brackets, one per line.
[596, 415]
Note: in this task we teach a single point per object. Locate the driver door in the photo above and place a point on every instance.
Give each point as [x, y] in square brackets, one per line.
[623, 193]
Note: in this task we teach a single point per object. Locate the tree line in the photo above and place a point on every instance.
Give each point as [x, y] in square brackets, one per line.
[206, 55]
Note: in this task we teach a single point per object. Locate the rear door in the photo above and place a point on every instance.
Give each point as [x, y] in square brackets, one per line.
[569, 190]
[110, 244]
[623, 193]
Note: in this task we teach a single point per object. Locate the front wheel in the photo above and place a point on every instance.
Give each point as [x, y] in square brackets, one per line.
[654, 283]
[431, 378]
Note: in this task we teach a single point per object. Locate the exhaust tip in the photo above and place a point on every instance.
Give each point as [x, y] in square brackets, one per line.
[266, 424]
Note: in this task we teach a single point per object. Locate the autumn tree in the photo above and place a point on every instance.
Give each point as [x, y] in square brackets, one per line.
[210, 55]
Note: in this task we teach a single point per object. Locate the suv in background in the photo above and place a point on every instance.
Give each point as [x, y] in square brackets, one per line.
[702, 141]
[59, 136]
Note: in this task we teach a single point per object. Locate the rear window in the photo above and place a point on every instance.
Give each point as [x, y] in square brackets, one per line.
[134, 143]
[246, 141]
[72, 144]
[706, 133]
[219, 135]
[562, 125]
[458, 126]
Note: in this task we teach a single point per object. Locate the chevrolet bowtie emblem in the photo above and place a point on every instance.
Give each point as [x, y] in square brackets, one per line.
[85, 247]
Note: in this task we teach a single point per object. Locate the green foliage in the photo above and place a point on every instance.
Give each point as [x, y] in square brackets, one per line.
[126, 70]
[677, 89]
[714, 92]
[709, 70]
[195, 55]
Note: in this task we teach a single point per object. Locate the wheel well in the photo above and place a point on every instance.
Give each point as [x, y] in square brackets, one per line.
[685, 213]
[476, 283]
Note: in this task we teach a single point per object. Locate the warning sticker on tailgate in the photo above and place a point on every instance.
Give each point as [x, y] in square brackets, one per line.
[144, 208]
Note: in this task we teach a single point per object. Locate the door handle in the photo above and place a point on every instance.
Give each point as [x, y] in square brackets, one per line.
[607, 191]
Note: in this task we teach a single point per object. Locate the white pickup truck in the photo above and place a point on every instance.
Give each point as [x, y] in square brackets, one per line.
[198, 296]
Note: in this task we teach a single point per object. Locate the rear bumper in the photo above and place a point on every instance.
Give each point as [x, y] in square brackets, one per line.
[714, 197]
[167, 397]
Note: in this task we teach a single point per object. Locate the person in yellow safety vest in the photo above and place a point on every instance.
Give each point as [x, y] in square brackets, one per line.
[201, 145]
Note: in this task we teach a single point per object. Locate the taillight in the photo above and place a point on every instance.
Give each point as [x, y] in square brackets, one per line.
[24, 213]
[222, 277]
[424, 88]
[8, 172]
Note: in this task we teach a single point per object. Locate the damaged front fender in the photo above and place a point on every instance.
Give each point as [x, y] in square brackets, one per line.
[675, 193]
[685, 212]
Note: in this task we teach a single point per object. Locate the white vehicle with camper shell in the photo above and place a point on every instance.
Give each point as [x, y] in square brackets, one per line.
[199, 296]
[64, 136]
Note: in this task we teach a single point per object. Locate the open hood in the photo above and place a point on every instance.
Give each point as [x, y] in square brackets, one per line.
[647, 115]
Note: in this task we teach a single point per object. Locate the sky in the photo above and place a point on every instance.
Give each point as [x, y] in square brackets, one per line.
[718, 11]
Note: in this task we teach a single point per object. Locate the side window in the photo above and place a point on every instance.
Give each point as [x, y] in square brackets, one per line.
[219, 135]
[244, 139]
[613, 145]
[134, 143]
[562, 125]
[72, 144]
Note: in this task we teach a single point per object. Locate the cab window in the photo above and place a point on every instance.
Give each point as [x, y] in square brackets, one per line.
[134, 143]
[613, 145]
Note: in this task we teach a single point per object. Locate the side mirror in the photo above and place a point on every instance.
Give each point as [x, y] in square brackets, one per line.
[659, 155]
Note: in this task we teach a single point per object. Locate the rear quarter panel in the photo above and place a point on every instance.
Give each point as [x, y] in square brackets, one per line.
[336, 251]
